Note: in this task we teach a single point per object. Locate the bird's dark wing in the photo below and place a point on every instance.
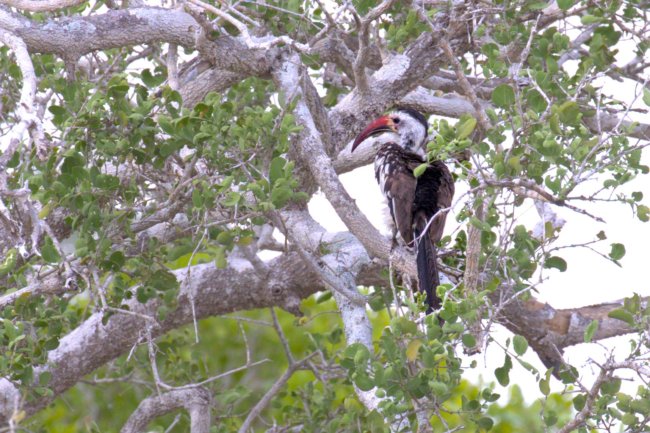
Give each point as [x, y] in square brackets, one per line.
[434, 191]
[397, 183]
[400, 194]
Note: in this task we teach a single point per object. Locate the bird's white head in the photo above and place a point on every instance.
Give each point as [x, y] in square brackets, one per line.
[404, 126]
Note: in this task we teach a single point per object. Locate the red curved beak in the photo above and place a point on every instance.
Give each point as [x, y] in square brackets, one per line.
[382, 124]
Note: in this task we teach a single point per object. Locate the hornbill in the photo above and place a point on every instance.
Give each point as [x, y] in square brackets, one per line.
[418, 205]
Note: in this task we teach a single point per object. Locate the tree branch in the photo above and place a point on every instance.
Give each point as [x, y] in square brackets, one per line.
[275, 388]
[41, 5]
[195, 401]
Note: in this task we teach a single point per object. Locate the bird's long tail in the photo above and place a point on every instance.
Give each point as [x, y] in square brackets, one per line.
[427, 262]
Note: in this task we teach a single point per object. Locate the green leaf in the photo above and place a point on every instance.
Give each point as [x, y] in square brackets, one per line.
[151, 80]
[565, 4]
[438, 388]
[280, 195]
[502, 373]
[623, 315]
[502, 376]
[569, 112]
[503, 96]
[225, 238]
[358, 352]
[556, 262]
[363, 381]
[545, 383]
[232, 199]
[220, 260]
[197, 198]
[9, 262]
[646, 97]
[591, 330]
[402, 326]
[114, 262]
[276, 169]
[617, 252]
[590, 19]
[49, 252]
[611, 387]
[469, 340]
[579, 401]
[163, 280]
[417, 172]
[485, 423]
[465, 127]
[412, 349]
[643, 212]
[629, 419]
[550, 418]
[520, 344]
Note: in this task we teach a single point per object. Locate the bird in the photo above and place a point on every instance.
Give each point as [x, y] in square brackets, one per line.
[418, 205]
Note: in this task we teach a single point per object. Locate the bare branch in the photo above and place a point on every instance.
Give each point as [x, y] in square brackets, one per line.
[41, 5]
[195, 401]
[26, 109]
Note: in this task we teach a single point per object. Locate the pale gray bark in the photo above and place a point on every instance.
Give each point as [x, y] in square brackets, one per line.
[196, 401]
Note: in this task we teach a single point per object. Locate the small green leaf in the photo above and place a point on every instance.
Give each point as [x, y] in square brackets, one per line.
[114, 262]
[556, 262]
[280, 195]
[591, 330]
[643, 212]
[629, 419]
[469, 340]
[438, 388]
[419, 170]
[646, 97]
[197, 198]
[465, 127]
[363, 381]
[232, 199]
[565, 5]
[623, 315]
[520, 344]
[276, 169]
[611, 387]
[412, 349]
[569, 112]
[545, 384]
[225, 238]
[503, 96]
[502, 373]
[617, 252]
[579, 401]
[358, 352]
[220, 260]
[49, 252]
[550, 418]
[502, 376]
[590, 19]
[485, 423]
[51, 343]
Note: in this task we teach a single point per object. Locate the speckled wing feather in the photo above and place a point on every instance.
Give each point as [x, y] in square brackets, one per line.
[398, 185]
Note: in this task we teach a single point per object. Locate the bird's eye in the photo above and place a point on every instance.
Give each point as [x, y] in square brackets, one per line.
[396, 120]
